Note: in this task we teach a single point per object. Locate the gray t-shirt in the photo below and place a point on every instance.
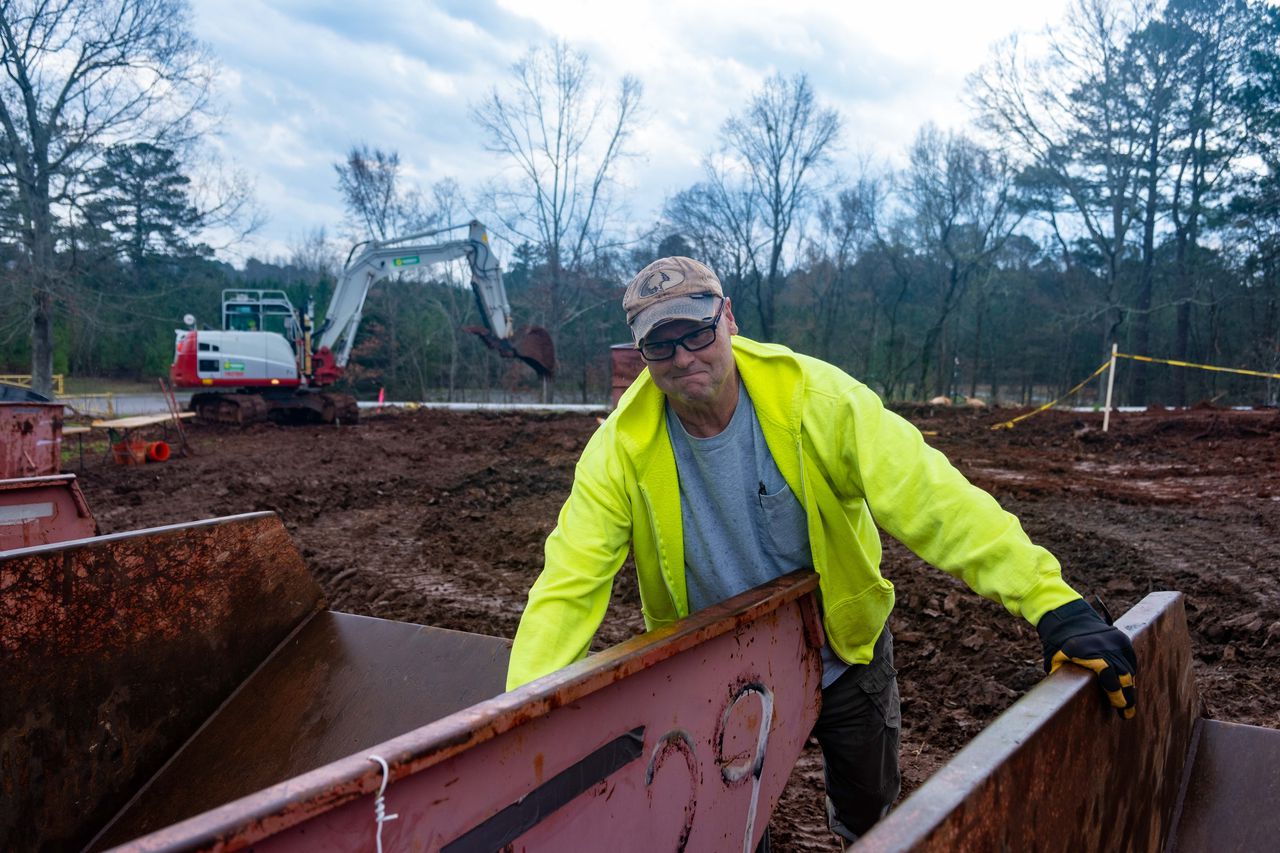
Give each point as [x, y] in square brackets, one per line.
[743, 526]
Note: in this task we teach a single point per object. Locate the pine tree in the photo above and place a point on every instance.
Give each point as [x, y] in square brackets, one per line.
[142, 196]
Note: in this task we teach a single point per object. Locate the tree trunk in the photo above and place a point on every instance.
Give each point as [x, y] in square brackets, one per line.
[977, 351]
[42, 342]
[1182, 330]
[42, 272]
[1146, 283]
[1186, 262]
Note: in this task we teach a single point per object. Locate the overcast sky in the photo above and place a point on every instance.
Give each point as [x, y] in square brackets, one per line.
[303, 80]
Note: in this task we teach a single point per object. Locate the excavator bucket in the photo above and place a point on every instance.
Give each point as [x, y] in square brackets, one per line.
[533, 346]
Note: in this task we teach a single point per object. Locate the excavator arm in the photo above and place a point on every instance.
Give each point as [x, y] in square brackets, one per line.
[380, 259]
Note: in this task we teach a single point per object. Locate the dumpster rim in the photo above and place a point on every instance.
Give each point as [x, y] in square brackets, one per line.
[71, 544]
[240, 823]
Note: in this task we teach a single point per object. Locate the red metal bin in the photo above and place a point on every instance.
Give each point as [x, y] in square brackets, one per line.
[30, 439]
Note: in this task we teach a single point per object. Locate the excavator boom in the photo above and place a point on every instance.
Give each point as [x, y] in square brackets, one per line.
[380, 259]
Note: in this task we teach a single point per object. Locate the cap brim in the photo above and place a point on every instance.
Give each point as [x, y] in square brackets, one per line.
[700, 308]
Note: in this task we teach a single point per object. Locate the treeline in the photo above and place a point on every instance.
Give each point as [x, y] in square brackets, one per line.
[1120, 182]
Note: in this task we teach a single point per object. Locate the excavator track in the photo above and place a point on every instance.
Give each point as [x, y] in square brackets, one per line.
[233, 409]
[245, 409]
[340, 409]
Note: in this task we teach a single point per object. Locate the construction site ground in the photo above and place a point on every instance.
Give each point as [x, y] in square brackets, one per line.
[439, 518]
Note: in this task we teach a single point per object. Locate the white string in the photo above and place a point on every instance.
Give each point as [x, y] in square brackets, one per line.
[380, 815]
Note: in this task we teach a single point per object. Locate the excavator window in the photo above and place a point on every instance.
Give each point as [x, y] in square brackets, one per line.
[259, 311]
[242, 318]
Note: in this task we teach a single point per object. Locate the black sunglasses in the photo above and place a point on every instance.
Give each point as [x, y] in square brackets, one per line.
[699, 338]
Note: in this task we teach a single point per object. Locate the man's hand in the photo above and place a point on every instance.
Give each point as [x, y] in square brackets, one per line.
[1075, 633]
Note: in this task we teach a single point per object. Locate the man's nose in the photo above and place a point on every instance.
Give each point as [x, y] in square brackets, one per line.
[683, 358]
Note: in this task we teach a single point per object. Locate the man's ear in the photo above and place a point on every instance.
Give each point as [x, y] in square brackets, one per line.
[728, 314]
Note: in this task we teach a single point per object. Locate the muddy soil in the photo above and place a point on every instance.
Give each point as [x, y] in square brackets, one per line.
[439, 518]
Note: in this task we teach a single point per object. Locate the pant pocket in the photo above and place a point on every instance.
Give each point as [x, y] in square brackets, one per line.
[880, 683]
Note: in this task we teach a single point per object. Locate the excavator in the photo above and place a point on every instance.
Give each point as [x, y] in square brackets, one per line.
[268, 360]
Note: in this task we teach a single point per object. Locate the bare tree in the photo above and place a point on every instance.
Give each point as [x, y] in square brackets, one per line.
[79, 74]
[782, 140]
[720, 219]
[846, 229]
[382, 206]
[957, 199]
[376, 199]
[1070, 117]
[563, 141]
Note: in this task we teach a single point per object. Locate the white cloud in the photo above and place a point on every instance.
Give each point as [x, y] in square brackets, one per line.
[304, 80]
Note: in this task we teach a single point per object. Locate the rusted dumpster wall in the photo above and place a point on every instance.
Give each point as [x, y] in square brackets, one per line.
[115, 649]
[679, 739]
[30, 439]
[40, 510]
[1060, 771]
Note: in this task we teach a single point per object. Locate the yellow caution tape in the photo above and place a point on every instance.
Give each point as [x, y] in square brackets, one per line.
[1052, 403]
[1199, 366]
[1147, 358]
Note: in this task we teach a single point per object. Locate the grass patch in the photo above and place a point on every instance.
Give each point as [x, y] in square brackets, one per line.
[101, 385]
[94, 449]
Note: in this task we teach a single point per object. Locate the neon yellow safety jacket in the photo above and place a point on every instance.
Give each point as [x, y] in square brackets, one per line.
[852, 464]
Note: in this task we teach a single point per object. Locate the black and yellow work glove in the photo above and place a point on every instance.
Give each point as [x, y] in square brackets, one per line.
[1075, 632]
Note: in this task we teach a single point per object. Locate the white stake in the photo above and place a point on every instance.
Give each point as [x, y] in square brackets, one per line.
[1111, 384]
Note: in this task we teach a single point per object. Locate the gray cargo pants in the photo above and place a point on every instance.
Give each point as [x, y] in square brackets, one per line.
[858, 731]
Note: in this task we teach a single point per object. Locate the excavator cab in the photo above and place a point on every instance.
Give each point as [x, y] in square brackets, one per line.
[260, 311]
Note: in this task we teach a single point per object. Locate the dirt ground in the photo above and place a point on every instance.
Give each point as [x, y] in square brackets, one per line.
[439, 518]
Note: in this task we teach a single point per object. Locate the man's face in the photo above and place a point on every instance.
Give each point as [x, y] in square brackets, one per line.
[695, 378]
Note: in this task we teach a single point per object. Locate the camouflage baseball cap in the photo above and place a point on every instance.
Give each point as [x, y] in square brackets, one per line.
[670, 289]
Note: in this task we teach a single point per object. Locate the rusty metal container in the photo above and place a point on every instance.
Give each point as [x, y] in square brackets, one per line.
[41, 510]
[626, 364]
[183, 689]
[30, 439]
[1060, 771]
[116, 649]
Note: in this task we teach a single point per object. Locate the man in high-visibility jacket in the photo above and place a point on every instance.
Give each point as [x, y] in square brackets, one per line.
[729, 463]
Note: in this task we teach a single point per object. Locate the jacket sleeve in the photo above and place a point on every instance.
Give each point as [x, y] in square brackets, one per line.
[583, 553]
[919, 498]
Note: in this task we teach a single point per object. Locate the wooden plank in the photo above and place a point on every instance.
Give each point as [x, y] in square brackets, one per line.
[135, 421]
[75, 430]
